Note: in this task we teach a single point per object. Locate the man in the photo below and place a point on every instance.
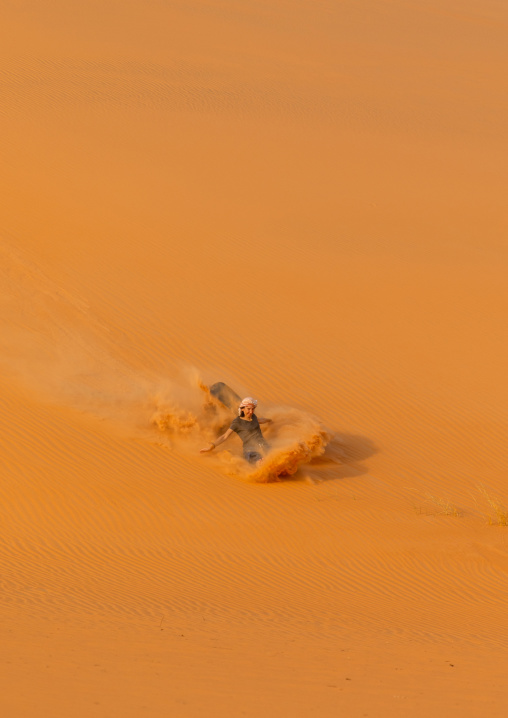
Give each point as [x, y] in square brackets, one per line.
[247, 426]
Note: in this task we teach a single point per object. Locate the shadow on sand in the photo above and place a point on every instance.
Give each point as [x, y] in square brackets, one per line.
[340, 460]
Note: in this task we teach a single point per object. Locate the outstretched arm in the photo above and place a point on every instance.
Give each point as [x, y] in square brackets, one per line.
[218, 441]
[265, 421]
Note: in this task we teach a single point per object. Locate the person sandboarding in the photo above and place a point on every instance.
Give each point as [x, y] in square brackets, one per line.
[247, 426]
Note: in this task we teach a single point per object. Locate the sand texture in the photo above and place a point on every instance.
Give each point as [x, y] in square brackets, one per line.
[307, 201]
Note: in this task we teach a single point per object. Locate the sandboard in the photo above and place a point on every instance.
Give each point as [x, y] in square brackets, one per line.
[225, 395]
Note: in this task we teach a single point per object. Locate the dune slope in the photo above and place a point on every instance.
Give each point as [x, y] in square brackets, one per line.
[306, 201]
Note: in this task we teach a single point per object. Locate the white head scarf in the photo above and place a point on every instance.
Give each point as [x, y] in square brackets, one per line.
[248, 401]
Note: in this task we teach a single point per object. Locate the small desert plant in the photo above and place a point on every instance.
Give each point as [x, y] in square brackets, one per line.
[443, 507]
[499, 515]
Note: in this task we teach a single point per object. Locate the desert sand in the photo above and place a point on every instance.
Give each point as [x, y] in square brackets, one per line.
[306, 200]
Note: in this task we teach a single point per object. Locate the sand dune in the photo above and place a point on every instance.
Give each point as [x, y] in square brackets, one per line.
[305, 201]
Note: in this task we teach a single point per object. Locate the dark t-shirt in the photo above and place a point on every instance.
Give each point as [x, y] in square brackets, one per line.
[250, 433]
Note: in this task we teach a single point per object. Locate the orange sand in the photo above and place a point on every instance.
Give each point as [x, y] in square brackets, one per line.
[307, 201]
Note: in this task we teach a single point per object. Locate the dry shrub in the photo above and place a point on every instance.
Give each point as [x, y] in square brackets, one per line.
[443, 507]
[499, 513]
